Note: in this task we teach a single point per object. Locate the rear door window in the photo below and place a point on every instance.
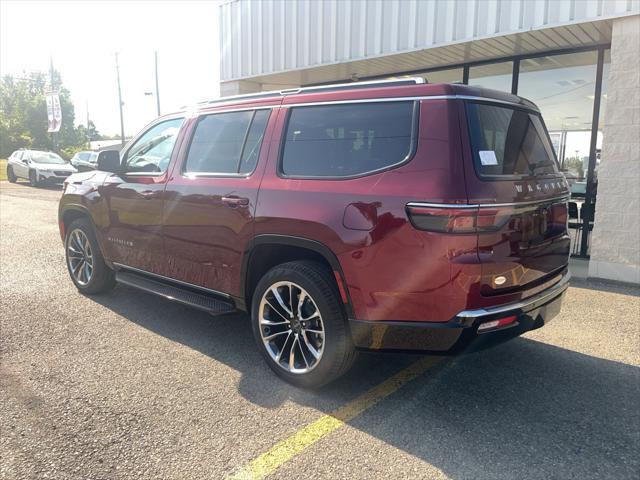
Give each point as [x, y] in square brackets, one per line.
[346, 140]
[509, 142]
[227, 143]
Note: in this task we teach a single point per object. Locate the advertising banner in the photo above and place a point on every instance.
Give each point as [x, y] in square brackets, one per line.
[54, 112]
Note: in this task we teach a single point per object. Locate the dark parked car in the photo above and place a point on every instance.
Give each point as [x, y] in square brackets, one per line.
[85, 160]
[390, 215]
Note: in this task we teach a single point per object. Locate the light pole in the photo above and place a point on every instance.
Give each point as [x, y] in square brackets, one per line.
[86, 101]
[157, 88]
[120, 102]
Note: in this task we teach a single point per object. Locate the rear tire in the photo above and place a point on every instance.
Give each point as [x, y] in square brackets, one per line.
[84, 260]
[33, 178]
[315, 328]
[10, 175]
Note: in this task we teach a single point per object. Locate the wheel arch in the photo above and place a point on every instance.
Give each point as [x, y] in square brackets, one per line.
[72, 212]
[266, 251]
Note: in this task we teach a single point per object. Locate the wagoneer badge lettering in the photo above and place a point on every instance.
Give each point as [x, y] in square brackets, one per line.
[120, 241]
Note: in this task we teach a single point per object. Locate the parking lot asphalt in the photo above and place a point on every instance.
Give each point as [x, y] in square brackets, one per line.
[128, 385]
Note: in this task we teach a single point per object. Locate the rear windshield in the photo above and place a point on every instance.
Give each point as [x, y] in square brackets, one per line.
[507, 141]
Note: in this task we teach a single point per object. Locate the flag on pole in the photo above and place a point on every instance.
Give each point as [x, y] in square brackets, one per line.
[54, 112]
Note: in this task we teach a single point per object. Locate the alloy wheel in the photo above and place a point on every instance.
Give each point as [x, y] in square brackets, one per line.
[291, 327]
[80, 257]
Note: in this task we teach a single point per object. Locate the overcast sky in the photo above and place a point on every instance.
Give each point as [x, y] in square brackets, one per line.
[82, 38]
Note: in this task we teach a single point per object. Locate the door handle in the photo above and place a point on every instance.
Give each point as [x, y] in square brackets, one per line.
[147, 194]
[235, 201]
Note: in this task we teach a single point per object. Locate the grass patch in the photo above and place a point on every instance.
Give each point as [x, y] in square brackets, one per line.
[3, 169]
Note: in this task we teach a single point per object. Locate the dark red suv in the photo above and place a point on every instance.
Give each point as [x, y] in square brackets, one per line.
[386, 215]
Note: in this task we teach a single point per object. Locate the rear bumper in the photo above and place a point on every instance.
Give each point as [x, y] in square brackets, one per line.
[461, 333]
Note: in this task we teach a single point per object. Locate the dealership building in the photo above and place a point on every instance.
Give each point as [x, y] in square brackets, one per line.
[578, 60]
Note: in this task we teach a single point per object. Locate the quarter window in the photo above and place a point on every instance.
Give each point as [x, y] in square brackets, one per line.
[227, 143]
[151, 153]
[348, 140]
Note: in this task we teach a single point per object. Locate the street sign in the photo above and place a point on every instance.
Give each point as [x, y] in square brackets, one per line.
[54, 112]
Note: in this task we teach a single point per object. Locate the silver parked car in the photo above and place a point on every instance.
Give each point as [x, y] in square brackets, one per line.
[38, 167]
[86, 160]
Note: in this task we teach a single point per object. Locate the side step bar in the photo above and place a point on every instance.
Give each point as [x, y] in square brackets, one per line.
[174, 292]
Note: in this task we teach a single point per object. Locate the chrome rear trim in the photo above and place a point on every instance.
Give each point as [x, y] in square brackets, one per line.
[560, 199]
[523, 306]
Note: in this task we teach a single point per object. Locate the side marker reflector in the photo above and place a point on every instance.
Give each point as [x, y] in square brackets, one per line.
[502, 322]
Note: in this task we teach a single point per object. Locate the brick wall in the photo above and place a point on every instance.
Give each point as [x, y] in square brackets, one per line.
[615, 247]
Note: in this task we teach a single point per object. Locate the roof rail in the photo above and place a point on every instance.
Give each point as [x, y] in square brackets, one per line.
[396, 82]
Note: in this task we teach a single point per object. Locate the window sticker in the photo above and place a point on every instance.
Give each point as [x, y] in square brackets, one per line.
[488, 157]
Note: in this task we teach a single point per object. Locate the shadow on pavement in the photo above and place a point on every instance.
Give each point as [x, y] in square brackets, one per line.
[606, 286]
[42, 186]
[524, 408]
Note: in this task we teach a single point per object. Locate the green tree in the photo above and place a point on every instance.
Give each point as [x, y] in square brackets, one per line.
[23, 115]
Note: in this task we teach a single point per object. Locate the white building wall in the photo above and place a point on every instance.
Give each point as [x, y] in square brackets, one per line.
[615, 247]
[260, 37]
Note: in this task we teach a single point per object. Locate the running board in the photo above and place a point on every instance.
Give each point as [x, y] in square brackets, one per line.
[174, 292]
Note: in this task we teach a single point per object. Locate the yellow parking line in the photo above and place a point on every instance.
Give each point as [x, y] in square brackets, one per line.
[285, 450]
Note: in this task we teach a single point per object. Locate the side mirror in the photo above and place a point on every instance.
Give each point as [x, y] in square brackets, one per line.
[109, 161]
[25, 160]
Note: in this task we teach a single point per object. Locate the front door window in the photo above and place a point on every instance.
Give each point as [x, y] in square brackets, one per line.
[151, 153]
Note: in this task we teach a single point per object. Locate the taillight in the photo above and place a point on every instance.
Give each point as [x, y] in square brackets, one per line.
[457, 219]
[443, 220]
[460, 219]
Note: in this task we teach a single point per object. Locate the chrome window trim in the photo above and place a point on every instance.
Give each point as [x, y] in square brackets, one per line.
[413, 98]
[415, 135]
[144, 174]
[212, 110]
[198, 117]
[186, 284]
[488, 205]
[190, 175]
[207, 110]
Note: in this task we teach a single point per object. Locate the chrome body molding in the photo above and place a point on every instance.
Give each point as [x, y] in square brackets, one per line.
[560, 199]
[519, 307]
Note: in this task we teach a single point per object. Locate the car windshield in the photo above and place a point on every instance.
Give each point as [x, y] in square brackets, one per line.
[46, 157]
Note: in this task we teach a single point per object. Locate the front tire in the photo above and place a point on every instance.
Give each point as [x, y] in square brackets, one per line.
[85, 262]
[300, 325]
[10, 175]
[33, 178]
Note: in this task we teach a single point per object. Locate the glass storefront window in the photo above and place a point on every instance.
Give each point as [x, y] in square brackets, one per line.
[563, 87]
[496, 76]
[444, 76]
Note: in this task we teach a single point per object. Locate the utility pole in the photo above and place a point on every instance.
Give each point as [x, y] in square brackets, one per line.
[157, 88]
[88, 134]
[120, 102]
